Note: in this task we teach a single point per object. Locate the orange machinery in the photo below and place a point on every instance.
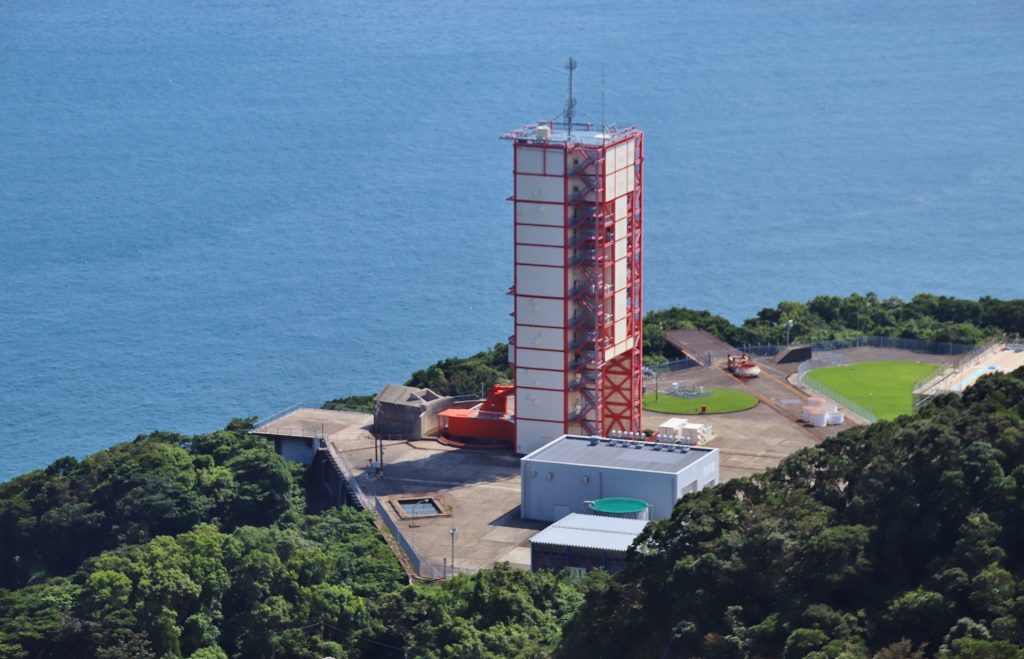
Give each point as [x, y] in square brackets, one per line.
[488, 424]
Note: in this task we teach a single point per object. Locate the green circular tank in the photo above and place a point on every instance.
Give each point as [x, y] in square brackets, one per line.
[621, 507]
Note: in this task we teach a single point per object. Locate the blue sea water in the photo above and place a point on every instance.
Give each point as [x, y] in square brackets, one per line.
[215, 209]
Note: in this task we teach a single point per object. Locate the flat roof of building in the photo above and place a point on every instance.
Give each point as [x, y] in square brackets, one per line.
[619, 454]
[591, 532]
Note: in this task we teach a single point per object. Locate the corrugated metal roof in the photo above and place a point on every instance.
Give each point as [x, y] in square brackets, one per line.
[573, 449]
[591, 532]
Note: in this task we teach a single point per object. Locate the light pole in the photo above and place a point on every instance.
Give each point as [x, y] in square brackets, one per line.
[454, 533]
[789, 326]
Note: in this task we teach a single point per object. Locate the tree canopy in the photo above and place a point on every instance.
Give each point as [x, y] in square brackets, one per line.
[897, 537]
[901, 539]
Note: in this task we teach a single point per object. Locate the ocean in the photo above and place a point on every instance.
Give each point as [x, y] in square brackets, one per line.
[216, 209]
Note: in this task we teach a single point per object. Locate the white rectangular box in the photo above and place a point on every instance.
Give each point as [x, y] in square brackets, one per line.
[540, 280]
[556, 161]
[540, 188]
[540, 404]
[566, 474]
[529, 160]
[620, 304]
[540, 338]
[546, 214]
[527, 358]
[532, 377]
[540, 311]
[531, 435]
[536, 255]
[534, 235]
[621, 273]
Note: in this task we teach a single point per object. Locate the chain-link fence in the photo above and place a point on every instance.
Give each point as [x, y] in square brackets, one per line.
[913, 345]
[805, 376]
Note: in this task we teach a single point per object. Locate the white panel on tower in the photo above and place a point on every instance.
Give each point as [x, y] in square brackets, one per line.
[630, 181]
[540, 255]
[621, 208]
[620, 229]
[540, 311]
[620, 273]
[556, 161]
[532, 377]
[540, 188]
[526, 358]
[529, 160]
[534, 235]
[531, 435]
[620, 156]
[609, 187]
[620, 248]
[620, 304]
[548, 214]
[630, 152]
[542, 338]
[620, 331]
[539, 280]
[540, 404]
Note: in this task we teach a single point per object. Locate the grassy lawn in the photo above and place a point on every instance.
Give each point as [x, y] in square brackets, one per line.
[719, 402]
[885, 388]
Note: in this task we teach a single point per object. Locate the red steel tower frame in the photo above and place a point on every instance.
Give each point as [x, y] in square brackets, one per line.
[578, 342]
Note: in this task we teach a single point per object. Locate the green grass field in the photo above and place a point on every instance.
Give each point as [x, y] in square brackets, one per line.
[884, 388]
[719, 402]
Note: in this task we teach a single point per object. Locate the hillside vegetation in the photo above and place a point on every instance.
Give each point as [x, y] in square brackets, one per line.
[904, 536]
[902, 539]
[205, 546]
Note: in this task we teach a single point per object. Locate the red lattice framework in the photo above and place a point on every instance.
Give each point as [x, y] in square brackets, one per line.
[609, 391]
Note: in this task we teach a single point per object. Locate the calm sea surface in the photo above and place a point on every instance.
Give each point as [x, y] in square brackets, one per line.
[216, 209]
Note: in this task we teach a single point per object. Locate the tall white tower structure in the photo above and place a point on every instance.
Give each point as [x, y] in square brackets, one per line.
[577, 347]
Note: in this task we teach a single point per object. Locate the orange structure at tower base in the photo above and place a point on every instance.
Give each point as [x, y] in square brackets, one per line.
[488, 424]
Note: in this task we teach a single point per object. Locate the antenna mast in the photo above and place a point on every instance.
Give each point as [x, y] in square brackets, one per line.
[604, 126]
[570, 105]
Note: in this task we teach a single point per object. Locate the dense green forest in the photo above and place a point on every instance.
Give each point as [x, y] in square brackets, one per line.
[206, 546]
[901, 539]
[891, 539]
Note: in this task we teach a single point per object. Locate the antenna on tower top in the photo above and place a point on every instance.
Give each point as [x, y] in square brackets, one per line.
[570, 104]
[604, 126]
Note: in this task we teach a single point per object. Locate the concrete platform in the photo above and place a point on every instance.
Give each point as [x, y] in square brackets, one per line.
[311, 422]
[480, 487]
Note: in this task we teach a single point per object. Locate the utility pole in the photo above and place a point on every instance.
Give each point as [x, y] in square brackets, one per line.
[454, 533]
